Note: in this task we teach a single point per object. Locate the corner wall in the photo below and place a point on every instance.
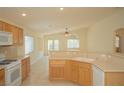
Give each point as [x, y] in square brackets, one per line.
[101, 34]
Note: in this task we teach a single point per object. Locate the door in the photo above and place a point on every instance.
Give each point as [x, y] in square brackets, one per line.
[28, 65]
[20, 36]
[2, 77]
[68, 70]
[24, 70]
[56, 72]
[1, 26]
[15, 35]
[13, 75]
[7, 27]
[74, 72]
[85, 75]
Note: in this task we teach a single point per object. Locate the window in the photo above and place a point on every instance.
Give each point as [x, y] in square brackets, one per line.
[73, 43]
[29, 44]
[53, 45]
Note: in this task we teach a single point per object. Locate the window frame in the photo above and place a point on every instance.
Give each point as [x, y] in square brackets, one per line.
[73, 47]
[53, 45]
[32, 48]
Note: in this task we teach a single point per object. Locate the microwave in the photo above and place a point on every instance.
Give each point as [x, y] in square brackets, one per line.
[6, 38]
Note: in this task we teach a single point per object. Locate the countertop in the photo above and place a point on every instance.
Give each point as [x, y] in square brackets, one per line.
[1, 67]
[18, 58]
[104, 65]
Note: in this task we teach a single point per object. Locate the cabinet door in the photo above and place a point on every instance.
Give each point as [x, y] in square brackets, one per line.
[56, 72]
[74, 72]
[1, 25]
[28, 65]
[85, 75]
[20, 36]
[2, 77]
[68, 70]
[24, 70]
[7, 27]
[15, 35]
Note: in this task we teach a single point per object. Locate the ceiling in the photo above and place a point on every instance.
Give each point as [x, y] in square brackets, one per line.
[49, 20]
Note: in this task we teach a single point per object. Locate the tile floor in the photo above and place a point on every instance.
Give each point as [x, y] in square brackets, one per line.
[39, 76]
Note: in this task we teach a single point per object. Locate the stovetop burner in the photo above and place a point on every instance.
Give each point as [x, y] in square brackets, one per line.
[6, 62]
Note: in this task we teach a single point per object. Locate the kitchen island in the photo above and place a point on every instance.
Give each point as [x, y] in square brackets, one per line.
[86, 71]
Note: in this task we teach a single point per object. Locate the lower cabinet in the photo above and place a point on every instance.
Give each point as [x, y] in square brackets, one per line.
[114, 78]
[68, 70]
[85, 74]
[2, 77]
[25, 68]
[74, 71]
[56, 70]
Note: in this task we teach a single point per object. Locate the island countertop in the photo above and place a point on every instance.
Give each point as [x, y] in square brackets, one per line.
[105, 65]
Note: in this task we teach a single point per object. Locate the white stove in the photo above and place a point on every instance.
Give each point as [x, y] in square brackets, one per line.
[12, 71]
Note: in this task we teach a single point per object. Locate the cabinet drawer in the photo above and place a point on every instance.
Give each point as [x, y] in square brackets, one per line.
[85, 65]
[56, 72]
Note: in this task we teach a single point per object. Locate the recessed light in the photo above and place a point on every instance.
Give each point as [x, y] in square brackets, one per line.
[24, 14]
[61, 9]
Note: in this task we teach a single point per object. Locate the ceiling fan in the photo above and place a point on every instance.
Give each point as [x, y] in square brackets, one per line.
[70, 35]
[67, 32]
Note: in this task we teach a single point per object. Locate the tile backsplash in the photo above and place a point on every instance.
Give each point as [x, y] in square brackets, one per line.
[9, 51]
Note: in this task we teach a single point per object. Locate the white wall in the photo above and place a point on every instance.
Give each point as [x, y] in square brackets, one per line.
[101, 34]
[81, 33]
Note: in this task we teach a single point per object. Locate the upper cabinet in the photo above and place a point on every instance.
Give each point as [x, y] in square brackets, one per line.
[20, 38]
[7, 27]
[15, 35]
[1, 26]
[16, 31]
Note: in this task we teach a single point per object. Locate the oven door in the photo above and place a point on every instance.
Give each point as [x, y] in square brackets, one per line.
[13, 76]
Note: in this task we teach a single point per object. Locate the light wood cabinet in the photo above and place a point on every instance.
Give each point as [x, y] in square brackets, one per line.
[15, 35]
[20, 36]
[16, 31]
[68, 70]
[7, 27]
[57, 70]
[25, 68]
[74, 71]
[114, 78]
[28, 65]
[1, 25]
[2, 77]
[85, 74]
